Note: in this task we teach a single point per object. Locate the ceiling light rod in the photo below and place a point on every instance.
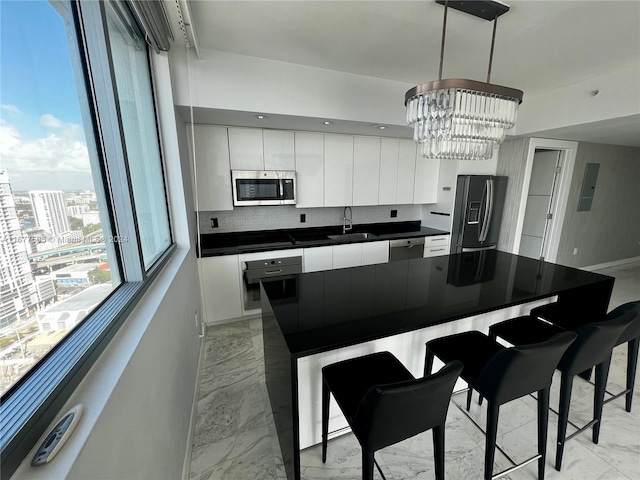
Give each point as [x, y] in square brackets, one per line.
[493, 42]
[444, 33]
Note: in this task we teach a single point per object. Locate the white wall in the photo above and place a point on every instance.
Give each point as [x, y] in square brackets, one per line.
[139, 395]
[236, 82]
[574, 105]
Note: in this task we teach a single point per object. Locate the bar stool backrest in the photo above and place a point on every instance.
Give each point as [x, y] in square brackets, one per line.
[388, 414]
[518, 371]
[594, 344]
[633, 330]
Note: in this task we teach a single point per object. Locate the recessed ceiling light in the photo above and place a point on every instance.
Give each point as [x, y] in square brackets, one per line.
[261, 117]
[381, 127]
[327, 122]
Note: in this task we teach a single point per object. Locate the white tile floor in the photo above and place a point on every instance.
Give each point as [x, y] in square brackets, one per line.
[235, 437]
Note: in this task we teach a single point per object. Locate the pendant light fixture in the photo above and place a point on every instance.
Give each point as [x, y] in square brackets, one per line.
[457, 118]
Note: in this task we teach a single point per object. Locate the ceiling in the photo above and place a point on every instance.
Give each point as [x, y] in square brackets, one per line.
[540, 45]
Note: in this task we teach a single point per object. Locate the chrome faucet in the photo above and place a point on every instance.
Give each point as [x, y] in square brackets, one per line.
[347, 223]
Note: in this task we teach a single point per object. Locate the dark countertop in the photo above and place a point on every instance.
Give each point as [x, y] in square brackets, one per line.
[215, 244]
[322, 311]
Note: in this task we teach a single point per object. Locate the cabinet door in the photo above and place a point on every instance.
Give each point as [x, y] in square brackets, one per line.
[309, 152]
[221, 287]
[211, 175]
[366, 170]
[426, 181]
[278, 150]
[317, 259]
[338, 170]
[406, 171]
[245, 149]
[347, 255]
[375, 252]
[388, 184]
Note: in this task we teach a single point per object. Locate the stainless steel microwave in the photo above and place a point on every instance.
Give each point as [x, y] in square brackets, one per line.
[263, 187]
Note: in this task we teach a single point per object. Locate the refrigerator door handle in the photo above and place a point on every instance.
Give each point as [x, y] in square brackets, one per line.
[485, 200]
[487, 211]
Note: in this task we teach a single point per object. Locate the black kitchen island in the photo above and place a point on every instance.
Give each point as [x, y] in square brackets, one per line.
[307, 314]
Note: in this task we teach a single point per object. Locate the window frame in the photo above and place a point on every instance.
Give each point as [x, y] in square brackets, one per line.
[34, 401]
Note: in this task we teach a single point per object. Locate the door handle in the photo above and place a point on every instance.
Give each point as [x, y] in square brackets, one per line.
[272, 272]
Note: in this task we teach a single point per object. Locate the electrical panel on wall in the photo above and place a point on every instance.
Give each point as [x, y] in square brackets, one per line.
[588, 187]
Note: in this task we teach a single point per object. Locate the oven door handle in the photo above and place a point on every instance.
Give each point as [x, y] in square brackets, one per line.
[272, 272]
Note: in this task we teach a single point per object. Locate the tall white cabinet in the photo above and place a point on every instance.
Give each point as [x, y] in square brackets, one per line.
[338, 170]
[366, 170]
[309, 156]
[211, 168]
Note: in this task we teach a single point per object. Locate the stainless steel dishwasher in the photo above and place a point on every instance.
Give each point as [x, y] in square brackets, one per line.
[406, 249]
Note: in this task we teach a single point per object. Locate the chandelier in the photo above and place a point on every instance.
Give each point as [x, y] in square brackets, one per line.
[457, 118]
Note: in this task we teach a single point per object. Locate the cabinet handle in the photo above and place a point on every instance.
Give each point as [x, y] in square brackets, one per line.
[437, 250]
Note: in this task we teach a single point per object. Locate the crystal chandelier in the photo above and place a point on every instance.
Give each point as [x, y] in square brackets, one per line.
[457, 118]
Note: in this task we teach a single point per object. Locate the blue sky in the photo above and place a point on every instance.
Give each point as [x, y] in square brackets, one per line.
[39, 99]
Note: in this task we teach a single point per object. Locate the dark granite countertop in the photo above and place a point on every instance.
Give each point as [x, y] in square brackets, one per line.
[322, 311]
[215, 244]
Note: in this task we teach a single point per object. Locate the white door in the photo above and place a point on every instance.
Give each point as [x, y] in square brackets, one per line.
[540, 202]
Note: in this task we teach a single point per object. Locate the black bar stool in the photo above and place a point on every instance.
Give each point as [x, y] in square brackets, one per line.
[503, 374]
[384, 404]
[593, 347]
[630, 336]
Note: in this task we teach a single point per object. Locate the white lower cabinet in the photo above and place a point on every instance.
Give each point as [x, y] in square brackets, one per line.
[221, 288]
[436, 245]
[317, 259]
[349, 255]
[375, 252]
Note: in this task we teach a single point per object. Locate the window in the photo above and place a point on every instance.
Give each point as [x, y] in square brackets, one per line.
[84, 221]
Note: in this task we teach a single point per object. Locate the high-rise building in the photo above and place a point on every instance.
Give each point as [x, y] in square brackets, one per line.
[50, 210]
[18, 292]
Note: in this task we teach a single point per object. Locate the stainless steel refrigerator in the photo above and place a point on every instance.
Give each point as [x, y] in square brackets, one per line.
[477, 212]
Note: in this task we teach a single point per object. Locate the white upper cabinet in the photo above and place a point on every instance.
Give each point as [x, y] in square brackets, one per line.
[338, 170]
[388, 184]
[426, 179]
[309, 153]
[245, 149]
[406, 172]
[278, 150]
[366, 170]
[212, 177]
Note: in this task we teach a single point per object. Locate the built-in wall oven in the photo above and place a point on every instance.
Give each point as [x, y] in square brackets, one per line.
[263, 187]
[283, 268]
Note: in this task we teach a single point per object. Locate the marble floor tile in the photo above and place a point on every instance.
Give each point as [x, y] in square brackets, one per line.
[227, 348]
[245, 456]
[230, 410]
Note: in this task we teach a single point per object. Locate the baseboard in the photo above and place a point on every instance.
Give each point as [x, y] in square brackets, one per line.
[615, 263]
[186, 467]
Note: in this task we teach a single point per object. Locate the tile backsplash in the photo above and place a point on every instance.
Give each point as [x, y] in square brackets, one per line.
[243, 219]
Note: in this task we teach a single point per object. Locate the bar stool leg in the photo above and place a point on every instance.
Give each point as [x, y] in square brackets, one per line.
[469, 395]
[632, 363]
[325, 420]
[492, 431]
[367, 465]
[438, 450]
[566, 384]
[602, 372]
[543, 424]
[428, 362]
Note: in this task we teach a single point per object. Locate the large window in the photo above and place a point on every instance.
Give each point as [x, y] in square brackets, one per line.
[84, 221]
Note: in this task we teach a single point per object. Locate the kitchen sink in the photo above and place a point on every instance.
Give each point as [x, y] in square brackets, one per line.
[352, 236]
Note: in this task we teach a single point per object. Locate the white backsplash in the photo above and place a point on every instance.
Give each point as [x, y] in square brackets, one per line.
[243, 219]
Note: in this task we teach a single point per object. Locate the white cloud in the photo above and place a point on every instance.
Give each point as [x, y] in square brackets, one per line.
[50, 121]
[11, 109]
[60, 153]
